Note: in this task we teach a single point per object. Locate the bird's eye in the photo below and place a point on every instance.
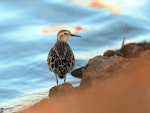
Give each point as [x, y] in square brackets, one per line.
[65, 33]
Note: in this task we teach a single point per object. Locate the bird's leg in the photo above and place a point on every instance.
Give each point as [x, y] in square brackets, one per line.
[65, 79]
[56, 79]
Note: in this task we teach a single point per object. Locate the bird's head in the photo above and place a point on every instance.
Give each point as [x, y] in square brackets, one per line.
[64, 35]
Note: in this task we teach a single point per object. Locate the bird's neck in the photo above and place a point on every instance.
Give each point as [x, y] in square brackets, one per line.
[62, 40]
[65, 41]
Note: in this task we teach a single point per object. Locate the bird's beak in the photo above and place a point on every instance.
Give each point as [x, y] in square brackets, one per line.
[75, 35]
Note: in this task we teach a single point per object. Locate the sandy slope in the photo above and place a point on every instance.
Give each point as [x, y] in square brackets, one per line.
[127, 92]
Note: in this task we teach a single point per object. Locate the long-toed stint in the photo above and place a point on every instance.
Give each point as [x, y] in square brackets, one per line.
[61, 58]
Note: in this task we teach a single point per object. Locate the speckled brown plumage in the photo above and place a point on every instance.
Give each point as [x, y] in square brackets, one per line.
[61, 58]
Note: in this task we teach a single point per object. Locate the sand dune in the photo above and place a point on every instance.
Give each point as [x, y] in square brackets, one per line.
[127, 92]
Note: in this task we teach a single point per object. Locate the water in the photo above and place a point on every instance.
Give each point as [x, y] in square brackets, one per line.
[28, 30]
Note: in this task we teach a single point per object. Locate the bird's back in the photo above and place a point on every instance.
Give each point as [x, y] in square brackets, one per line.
[61, 59]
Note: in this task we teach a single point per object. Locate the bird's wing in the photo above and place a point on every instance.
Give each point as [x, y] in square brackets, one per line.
[68, 59]
[52, 57]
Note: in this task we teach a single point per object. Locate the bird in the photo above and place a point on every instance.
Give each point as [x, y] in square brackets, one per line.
[60, 58]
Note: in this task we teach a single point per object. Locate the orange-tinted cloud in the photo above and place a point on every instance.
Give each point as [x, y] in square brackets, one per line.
[98, 4]
[55, 28]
